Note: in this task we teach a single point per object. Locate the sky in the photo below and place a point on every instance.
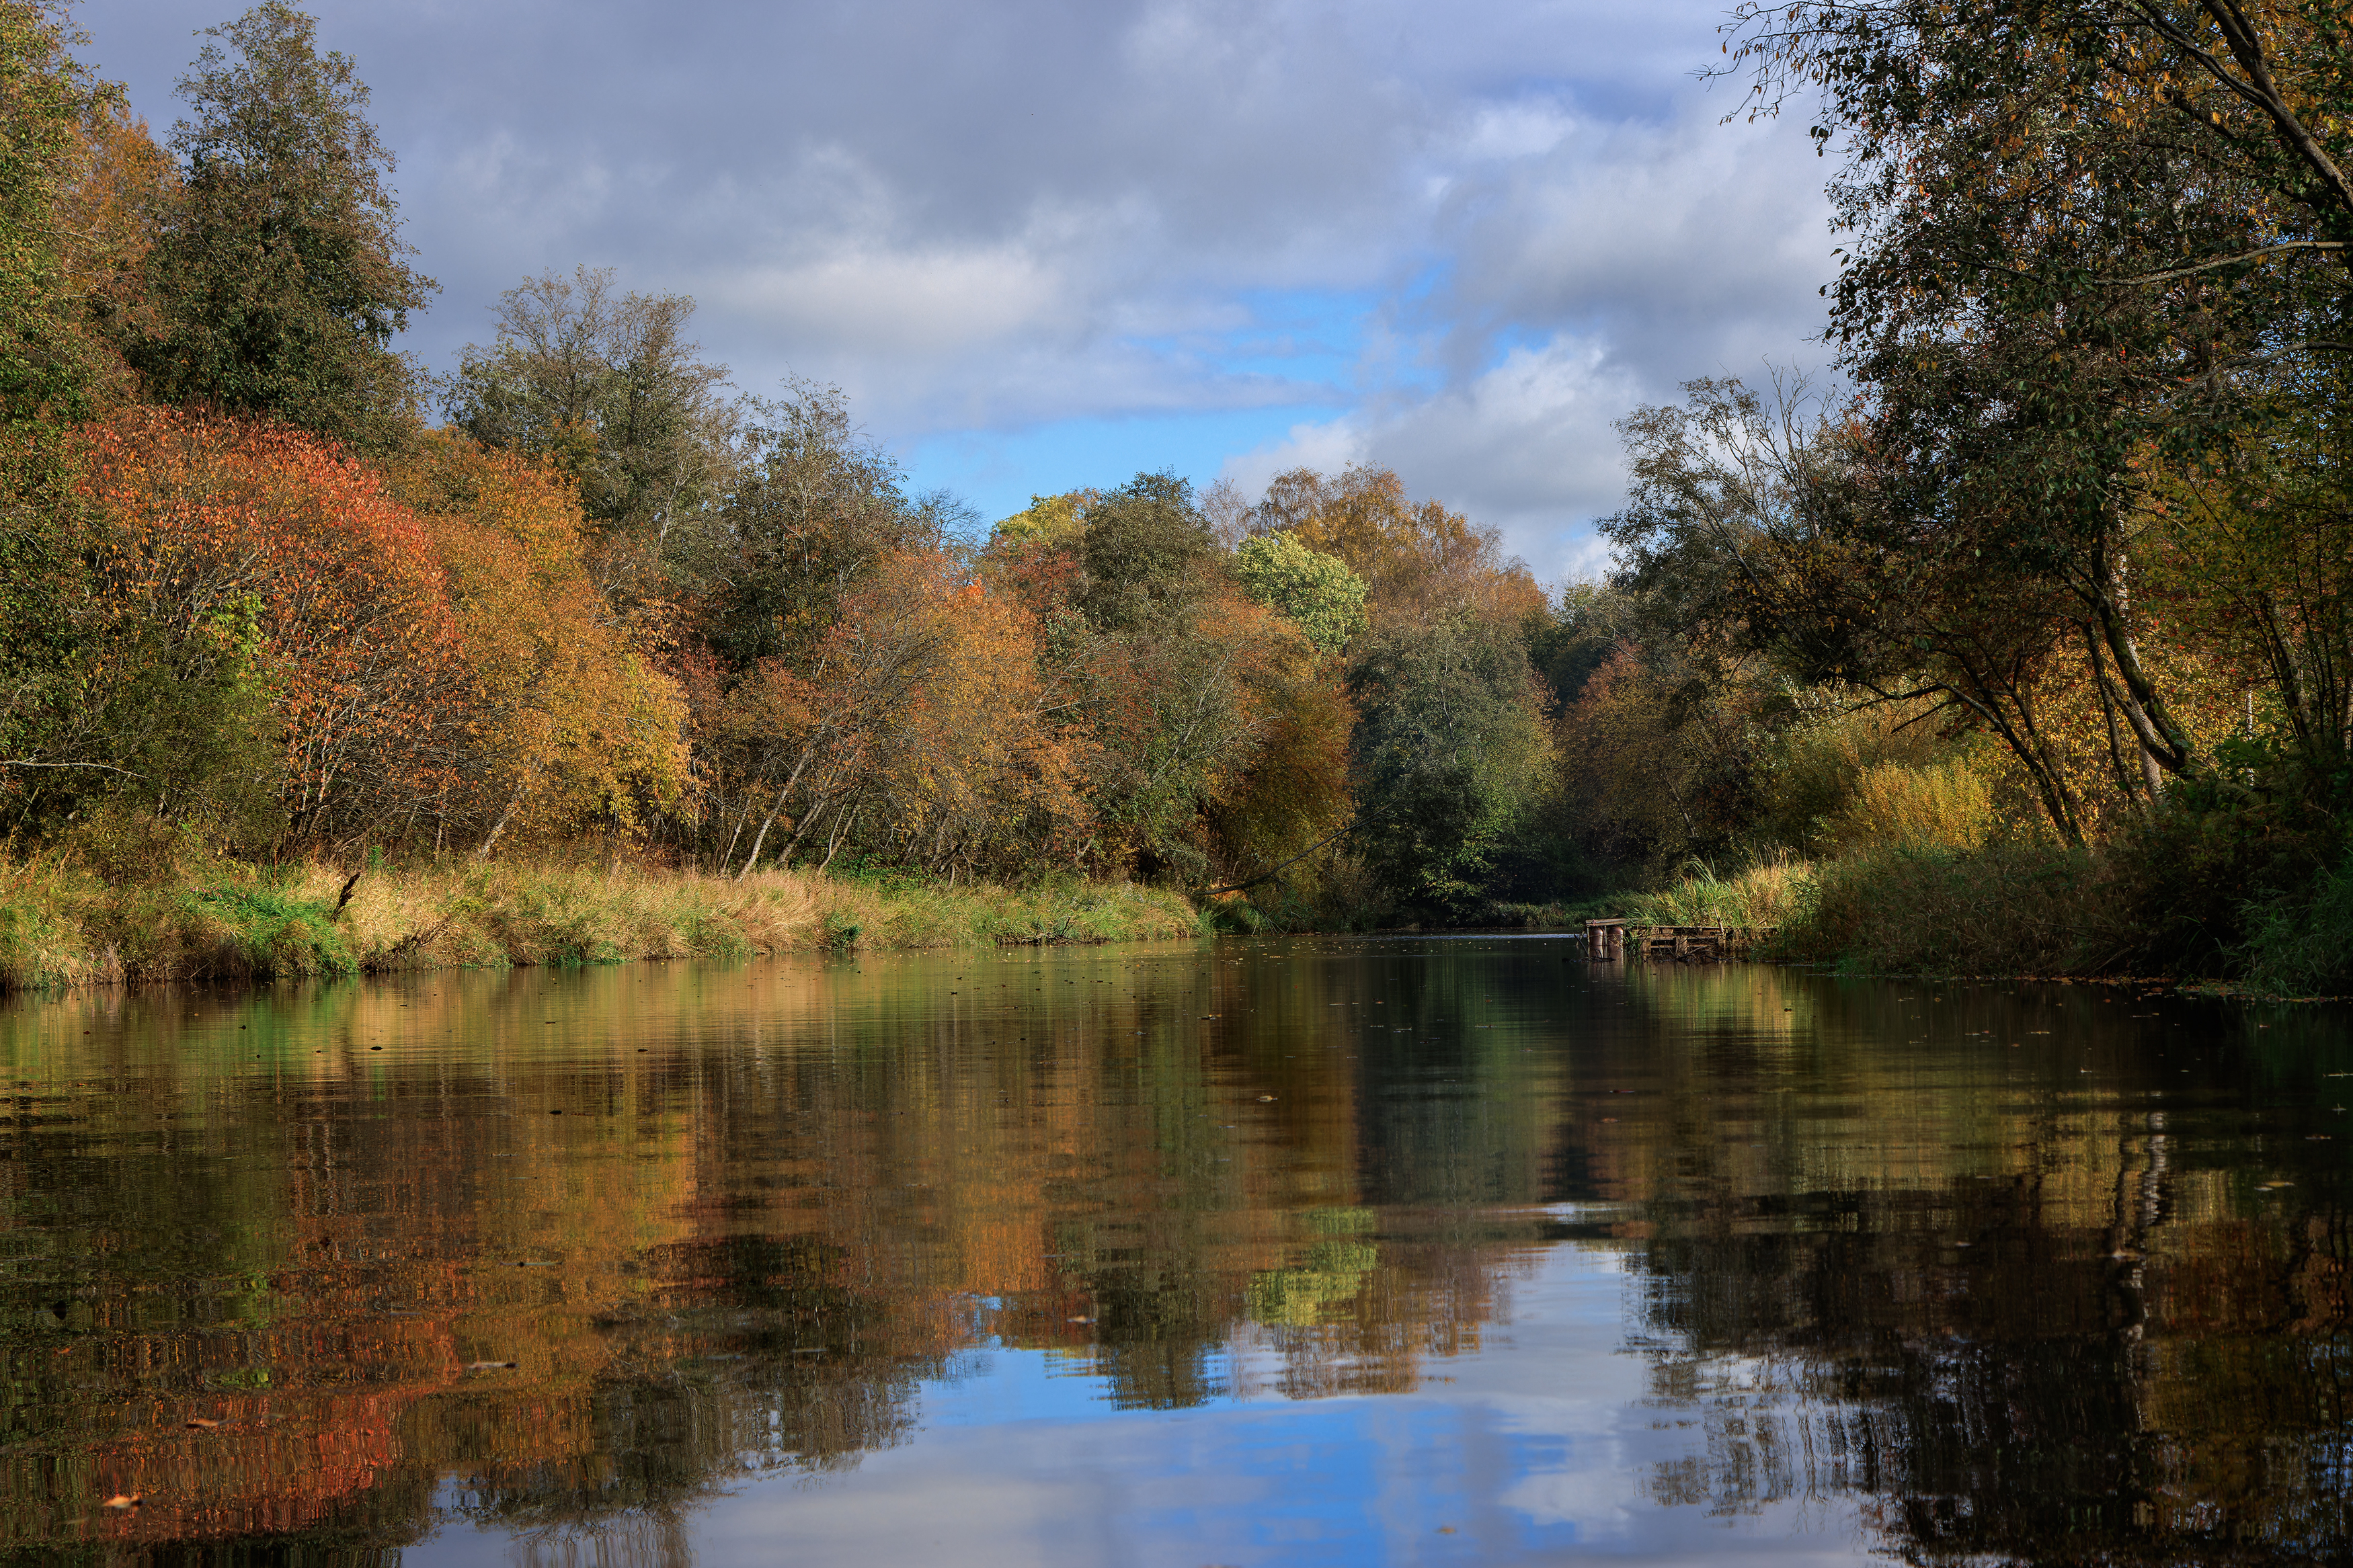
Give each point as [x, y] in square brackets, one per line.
[1047, 244]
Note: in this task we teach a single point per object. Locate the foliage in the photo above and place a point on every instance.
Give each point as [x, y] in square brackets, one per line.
[570, 725]
[1317, 592]
[922, 712]
[2095, 241]
[1944, 804]
[605, 386]
[1046, 521]
[1419, 563]
[1144, 553]
[1449, 753]
[44, 374]
[2301, 944]
[123, 193]
[814, 508]
[44, 97]
[261, 567]
[277, 280]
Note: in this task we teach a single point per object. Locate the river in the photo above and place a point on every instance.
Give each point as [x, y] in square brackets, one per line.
[1412, 1250]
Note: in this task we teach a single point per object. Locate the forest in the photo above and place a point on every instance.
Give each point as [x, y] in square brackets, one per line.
[2018, 641]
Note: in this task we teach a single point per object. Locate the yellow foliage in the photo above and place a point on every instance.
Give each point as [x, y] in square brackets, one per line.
[1947, 804]
[1048, 520]
[573, 724]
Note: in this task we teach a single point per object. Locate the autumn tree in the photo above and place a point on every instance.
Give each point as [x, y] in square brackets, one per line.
[1419, 562]
[1757, 529]
[1209, 735]
[814, 508]
[915, 720]
[1450, 754]
[571, 727]
[122, 196]
[813, 512]
[279, 280]
[2091, 240]
[255, 584]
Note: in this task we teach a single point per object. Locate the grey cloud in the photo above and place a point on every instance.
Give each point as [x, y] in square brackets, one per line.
[987, 218]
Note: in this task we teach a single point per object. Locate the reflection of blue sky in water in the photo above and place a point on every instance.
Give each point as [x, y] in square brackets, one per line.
[1540, 1448]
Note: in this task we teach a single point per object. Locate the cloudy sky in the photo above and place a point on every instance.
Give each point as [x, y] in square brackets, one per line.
[1046, 243]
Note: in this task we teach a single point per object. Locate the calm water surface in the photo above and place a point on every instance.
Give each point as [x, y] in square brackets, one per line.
[1411, 1251]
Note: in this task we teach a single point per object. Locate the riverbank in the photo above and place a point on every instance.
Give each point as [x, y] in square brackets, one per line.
[62, 925]
[2029, 908]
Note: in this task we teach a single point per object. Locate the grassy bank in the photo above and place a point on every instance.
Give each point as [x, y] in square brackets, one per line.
[63, 925]
[2163, 907]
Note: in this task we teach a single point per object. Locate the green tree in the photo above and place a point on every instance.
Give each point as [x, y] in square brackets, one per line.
[1450, 754]
[1146, 546]
[279, 282]
[606, 383]
[1317, 592]
[43, 97]
[45, 376]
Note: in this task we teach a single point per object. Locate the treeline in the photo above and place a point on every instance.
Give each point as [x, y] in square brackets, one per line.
[276, 591]
[2037, 638]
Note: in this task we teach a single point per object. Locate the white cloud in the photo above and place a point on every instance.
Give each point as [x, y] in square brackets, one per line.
[1528, 447]
[1595, 272]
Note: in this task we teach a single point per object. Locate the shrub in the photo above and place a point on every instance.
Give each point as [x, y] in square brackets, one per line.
[2015, 907]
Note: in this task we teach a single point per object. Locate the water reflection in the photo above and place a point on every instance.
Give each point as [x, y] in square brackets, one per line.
[1362, 1250]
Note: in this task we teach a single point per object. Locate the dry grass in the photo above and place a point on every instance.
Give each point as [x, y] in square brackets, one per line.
[1762, 896]
[61, 924]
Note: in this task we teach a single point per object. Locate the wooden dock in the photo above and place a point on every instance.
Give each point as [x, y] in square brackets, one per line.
[1606, 940]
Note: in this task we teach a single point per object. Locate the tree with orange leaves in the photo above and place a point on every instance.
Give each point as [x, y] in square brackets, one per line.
[241, 558]
[1419, 562]
[919, 722]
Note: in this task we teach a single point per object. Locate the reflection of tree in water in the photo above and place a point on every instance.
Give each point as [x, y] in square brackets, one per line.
[748, 1357]
[564, 1295]
[2056, 1391]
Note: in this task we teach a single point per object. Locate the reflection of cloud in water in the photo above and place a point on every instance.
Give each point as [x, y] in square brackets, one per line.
[1546, 1442]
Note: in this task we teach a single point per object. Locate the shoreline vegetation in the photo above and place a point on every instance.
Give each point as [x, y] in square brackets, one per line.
[63, 926]
[2024, 911]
